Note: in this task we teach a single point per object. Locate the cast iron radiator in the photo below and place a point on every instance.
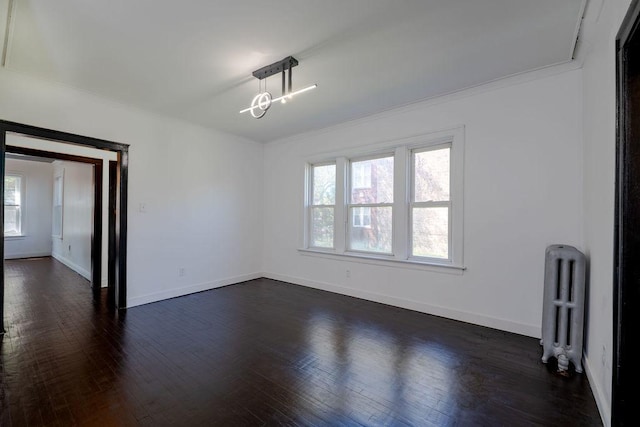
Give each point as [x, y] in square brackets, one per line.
[563, 306]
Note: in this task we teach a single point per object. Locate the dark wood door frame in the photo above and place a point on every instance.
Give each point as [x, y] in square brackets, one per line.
[111, 229]
[626, 290]
[120, 237]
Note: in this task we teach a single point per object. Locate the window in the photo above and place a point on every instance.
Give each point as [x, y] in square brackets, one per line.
[322, 205]
[361, 175]
[58, 197]
[371, 204]
[430, 204]
[13, 205]
[403, 202]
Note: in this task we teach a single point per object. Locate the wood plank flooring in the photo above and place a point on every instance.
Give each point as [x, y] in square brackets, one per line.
[263, 353]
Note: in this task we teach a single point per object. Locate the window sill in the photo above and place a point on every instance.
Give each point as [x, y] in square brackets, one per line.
[384, 261]
[16, 237]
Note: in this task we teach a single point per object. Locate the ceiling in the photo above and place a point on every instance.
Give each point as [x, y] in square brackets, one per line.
[193, 59]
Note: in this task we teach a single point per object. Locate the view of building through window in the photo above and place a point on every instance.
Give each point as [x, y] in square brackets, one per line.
[371, 205]
[415, 224]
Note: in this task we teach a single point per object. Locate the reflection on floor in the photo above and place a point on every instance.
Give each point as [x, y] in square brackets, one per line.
[263, 353]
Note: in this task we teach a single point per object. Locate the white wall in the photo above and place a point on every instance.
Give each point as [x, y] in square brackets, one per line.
[36, 227]
[201, 188]
[599, 86]
[74, 247]
[522, 190]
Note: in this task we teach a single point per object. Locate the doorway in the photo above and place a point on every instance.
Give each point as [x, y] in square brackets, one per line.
[117, 212]
[95, 230]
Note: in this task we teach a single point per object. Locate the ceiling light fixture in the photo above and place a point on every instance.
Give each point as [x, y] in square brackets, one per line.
[263, 100]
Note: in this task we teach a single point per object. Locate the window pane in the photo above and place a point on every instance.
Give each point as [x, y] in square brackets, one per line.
[11, 220]
[431, 232]
[361, 217]
[375, 237]
[11, 190]
[324, 185]
[431, 175]
[361, 173]
[57, 191]
[372, 181]
[321, 227]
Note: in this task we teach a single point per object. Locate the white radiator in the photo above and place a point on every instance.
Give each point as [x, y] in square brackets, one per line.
[563, 306]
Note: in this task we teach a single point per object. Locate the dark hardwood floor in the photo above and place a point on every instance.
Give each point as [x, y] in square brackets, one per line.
[263, 353]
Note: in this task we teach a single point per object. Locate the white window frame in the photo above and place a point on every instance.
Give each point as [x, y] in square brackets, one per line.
[429, 204]
[23, 195]
[350, 205]
[402, 203]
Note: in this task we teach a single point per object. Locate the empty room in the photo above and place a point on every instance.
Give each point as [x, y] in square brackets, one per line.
[329, 213]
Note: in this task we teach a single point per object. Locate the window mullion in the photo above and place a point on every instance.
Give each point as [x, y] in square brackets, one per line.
[400, 203]
[340, 214]
[369, 205]
[440, 204]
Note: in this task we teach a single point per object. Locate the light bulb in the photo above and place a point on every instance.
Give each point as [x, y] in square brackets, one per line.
[282, 98]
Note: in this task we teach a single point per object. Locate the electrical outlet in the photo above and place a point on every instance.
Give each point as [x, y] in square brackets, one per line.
[604, 355]
[69, 248]
[182, 271]
[143, 207]
[348, 274]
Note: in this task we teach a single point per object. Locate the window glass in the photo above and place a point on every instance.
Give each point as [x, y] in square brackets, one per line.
[431, 175]
[372, 181]
[375, 237]
[431, 232]
[322, 226]
[322, 209]
[12, 205]
[362, 217]
[371, 226]
[12, 190]
[324, 185]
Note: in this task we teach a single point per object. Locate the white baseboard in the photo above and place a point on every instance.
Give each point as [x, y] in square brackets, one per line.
[604, 405]
[26, 255]
[186, 290]
[75, 267]
[477, 319]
